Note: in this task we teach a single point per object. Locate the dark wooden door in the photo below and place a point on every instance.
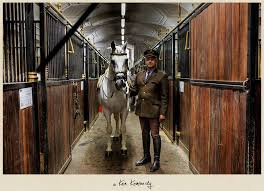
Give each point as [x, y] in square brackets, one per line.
[220, 97]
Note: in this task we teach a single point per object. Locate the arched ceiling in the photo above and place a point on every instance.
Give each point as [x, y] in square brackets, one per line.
[145, 25]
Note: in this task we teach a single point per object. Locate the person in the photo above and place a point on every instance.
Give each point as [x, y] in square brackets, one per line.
[151, 86]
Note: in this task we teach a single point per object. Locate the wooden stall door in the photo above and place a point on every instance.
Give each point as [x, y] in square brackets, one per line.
[219, 67]
[20, 141]
[184, 87]
[168, 125]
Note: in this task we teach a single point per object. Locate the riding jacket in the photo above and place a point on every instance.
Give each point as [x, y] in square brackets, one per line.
[152, 94]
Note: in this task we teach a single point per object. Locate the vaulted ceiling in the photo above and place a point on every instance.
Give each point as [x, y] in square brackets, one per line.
[145, 23]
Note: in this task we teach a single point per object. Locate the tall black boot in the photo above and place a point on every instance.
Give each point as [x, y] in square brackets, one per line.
[146, 145]
[157, 146]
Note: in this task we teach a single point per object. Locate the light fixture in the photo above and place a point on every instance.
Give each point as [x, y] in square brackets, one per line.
[122, 31]
[123, 22]
[122, 38]
[123, 42]
[123, 9]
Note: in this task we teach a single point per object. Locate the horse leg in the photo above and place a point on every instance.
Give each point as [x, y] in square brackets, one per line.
[107, 115]
[123, 131]
[117, 130]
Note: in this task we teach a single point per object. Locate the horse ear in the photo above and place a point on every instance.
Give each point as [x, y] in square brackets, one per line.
[113, 46]
[124, 47]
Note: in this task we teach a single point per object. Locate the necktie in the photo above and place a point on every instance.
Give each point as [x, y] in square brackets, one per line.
[147, 74]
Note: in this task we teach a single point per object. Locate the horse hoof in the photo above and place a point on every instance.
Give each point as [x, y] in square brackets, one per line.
[108, 153]
[124, 152]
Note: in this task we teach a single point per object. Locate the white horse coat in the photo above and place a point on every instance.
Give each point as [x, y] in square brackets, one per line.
[113, 89]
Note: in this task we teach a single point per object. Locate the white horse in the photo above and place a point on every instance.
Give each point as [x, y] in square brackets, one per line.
[113, 90]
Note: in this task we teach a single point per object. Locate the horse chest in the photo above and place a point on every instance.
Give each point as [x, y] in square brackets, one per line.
[116, 103]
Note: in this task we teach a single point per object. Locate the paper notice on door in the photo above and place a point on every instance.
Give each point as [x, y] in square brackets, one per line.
[81, 85]
[25, 97]
[181, 86]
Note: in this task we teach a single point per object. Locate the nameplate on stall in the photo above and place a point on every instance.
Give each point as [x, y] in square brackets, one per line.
[181, 86]
[25, 97]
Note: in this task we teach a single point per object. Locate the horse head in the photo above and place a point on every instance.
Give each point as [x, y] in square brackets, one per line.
[119, 64]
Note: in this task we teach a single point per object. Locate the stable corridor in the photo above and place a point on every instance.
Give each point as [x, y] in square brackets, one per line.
[88, 155]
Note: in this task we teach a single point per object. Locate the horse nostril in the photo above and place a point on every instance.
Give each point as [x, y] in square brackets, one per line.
[124, 84]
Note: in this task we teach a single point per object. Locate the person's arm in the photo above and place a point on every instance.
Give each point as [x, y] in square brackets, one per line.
[164, 97]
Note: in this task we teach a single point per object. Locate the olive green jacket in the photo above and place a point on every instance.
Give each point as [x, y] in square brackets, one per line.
[152, 94]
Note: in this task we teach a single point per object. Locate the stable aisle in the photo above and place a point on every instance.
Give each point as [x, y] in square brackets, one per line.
[88, 155]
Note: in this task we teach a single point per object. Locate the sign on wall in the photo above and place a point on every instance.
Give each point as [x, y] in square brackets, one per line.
[181, 86]
[25, 97]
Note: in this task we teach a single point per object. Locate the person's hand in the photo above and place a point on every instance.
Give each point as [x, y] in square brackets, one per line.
[161, 118]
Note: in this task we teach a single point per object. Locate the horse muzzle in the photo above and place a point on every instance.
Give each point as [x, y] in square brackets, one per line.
[120, 83]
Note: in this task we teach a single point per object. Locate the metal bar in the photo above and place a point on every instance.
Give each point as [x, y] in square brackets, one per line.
[30, 37]
[59, 56]
[174, 125]
[67, 57]
[56, 36]
[218, 81]
[16, 43]
[68, 35]
[190, 50]
[43, 96]
[52, 43]
[13, 74]
[48, 23]
[5, 77]
[23, 44]
[20, 42]
[9, 68]
[253, 22]
[48, 38]
[219, 85]
[60, 67]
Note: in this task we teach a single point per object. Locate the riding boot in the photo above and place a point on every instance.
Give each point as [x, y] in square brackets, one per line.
[157, 146]
[146, 145]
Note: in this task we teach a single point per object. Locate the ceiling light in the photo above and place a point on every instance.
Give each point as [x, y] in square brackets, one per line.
[123, 9]
[122, 31]
[122, 38]
[122, 22]
[123, 42]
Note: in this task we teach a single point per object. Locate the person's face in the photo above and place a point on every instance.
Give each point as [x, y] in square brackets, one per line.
[151, 61]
